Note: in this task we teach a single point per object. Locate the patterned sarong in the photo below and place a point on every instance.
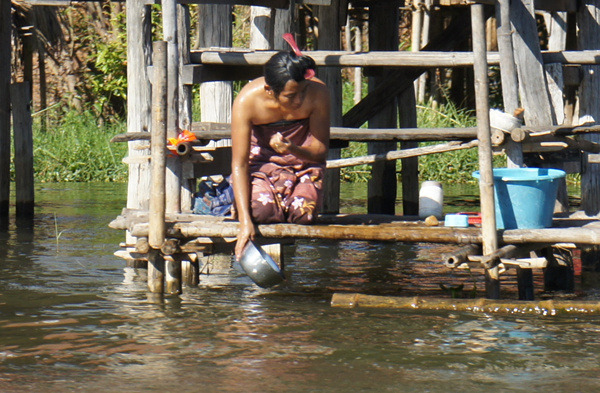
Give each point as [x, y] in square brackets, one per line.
[284, 188]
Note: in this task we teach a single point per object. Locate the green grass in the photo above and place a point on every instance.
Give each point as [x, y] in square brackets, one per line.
[76, 149]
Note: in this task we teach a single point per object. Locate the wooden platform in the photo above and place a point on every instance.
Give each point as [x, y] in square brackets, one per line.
[202, 230]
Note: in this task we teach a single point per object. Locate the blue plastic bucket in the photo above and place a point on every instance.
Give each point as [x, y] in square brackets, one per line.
[524, 197]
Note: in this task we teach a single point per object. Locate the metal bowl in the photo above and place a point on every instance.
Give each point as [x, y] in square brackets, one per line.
[260, 267]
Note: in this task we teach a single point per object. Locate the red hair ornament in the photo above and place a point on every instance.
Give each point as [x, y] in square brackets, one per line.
[290, 40]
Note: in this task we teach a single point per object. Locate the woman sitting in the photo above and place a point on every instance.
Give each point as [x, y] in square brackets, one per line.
[280, 138]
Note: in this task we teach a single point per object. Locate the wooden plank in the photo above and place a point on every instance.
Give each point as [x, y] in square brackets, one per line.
[5, 74]
[23, 133]
[534, 92]
[508, 75]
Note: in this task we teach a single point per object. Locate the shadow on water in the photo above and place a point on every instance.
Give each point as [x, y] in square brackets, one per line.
[73, 318]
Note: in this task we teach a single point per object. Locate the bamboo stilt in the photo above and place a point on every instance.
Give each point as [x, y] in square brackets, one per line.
[486, 182]
[156, 216]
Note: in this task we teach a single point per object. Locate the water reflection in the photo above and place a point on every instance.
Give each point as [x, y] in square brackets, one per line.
[72, 318]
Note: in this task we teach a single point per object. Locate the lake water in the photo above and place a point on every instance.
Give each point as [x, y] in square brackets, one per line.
[74, 319]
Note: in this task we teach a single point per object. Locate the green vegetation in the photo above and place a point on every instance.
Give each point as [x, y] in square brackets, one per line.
[77, 149]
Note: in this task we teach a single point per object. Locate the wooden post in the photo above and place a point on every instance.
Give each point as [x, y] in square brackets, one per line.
[173, 176]
[283, 22]
[139, 100]
[554, 76]
[5, 53]
[525, 284]
[43, 86]
[508, 75]
[329, 39]
[185, 98]
[216, 97]
[383, 35]
[261, 28]
[486, 181]
[21, 109]
[424, 32]
[588, 19]
[357, 70]
[407, 109]
[557, 30]
[156, 216]
[173, 183]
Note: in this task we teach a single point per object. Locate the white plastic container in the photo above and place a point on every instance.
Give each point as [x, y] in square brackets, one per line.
[431, 200]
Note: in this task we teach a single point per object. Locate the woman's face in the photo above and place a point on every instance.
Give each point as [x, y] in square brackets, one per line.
[293, 94]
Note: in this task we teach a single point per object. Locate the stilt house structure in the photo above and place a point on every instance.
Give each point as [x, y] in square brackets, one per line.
[557, 88]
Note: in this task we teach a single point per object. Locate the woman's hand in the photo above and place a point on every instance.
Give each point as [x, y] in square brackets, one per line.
[246, 233]
[280, 144]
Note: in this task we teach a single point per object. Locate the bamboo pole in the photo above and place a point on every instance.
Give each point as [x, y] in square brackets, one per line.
[156, 216]
[23, 134]
[460, 256]
[545, 307]
[5, 53]
[486, 182]
[398, 154]
[386, 232]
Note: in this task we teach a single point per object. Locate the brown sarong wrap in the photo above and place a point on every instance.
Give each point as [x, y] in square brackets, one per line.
[284, 188]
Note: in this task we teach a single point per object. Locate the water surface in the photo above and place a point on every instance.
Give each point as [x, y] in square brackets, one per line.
[74, 319]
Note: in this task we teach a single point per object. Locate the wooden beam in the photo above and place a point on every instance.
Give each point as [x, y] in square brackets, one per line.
[430, 59]
[5, 53]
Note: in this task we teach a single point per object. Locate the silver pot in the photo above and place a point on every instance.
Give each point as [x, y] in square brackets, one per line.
[260, 267]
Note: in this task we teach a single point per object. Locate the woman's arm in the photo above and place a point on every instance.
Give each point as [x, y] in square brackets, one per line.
[240, 141]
